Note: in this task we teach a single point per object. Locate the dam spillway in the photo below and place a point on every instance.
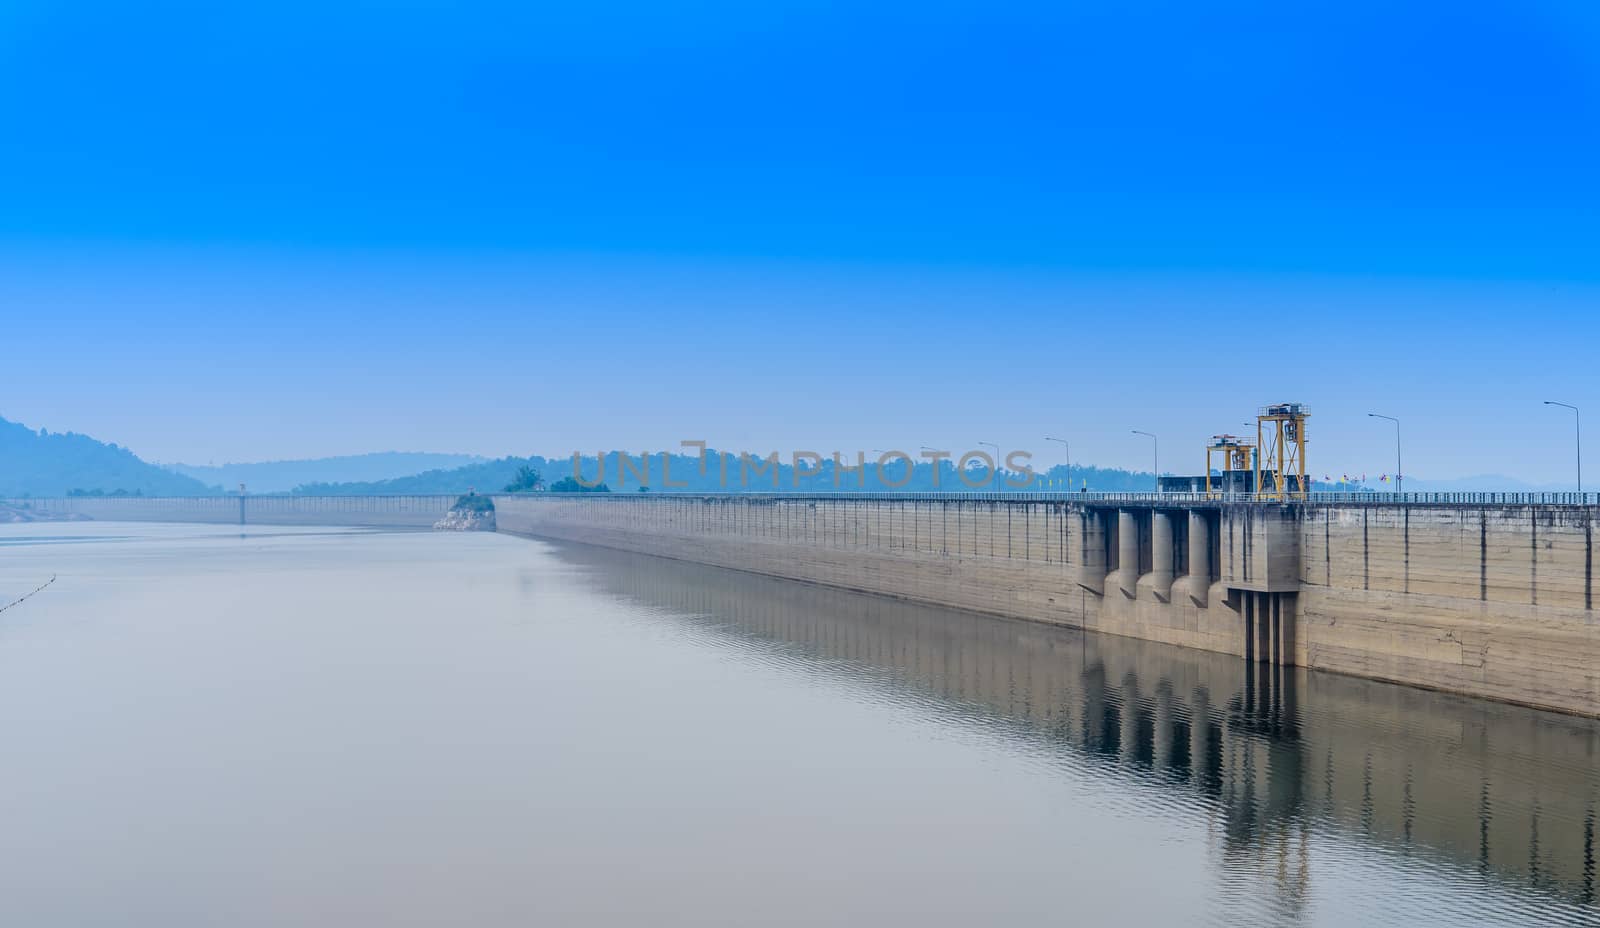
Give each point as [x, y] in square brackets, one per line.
[1489, 595]
[1491, 599]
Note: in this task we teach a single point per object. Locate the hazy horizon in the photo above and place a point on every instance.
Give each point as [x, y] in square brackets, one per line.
[785, 227]
[369, 468]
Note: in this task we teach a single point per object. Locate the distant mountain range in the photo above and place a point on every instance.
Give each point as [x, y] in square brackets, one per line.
[1485, 483]
[483, 475]
[283, 476]
[44, 463]
[685, 475]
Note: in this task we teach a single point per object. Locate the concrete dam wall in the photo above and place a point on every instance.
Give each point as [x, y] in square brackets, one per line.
[360, 511]
[1489, 600]
[1492, 600]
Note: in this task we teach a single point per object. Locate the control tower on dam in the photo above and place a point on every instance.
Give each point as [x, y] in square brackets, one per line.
[1486, 594]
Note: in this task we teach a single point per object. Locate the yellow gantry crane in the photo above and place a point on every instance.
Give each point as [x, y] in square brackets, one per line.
[1281, 436]
[1237, 455]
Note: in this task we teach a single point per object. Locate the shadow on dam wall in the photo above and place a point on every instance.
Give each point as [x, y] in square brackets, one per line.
[1484, 789]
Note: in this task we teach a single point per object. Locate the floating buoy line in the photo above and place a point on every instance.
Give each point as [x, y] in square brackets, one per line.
[19, 600]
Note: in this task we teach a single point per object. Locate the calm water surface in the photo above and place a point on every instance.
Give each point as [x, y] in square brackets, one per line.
[328, 728]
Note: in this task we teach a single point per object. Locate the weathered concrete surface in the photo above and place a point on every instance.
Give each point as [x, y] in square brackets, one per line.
[1492, 602]
[937, 552]
[1195, 584]
[1261, 548]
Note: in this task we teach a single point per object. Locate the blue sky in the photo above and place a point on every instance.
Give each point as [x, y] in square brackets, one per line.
[297, 230]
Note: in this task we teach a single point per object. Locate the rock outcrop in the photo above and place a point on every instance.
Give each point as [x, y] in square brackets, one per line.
[26, 513]
[460, 520]
[471, 513]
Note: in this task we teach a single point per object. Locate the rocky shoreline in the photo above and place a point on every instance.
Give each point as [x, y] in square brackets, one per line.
[458, 520]
[25, 513]
[471, 513]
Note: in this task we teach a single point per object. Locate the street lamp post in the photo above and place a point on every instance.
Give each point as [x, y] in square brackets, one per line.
[1400, 482]
[1577, 430]
[1068, 448]
[1156, 446]
[994, 470]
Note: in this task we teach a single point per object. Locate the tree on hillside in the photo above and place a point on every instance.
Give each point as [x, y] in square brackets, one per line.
[569, 485]
[527, 480]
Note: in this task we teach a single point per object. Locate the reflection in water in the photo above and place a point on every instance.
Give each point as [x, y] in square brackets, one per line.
[1477, 790]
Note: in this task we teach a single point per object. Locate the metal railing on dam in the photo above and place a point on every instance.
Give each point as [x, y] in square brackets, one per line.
[395, 501]
[1142, 498]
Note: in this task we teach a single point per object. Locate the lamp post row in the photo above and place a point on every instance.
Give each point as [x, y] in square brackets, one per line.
[1577, 434]
[1399, 479]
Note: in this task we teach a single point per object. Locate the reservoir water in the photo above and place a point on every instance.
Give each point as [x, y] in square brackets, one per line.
[336, 728]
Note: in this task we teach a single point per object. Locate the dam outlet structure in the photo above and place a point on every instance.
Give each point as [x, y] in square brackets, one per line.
[1489, 595]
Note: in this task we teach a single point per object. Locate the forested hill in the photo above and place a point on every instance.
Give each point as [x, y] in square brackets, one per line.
[484, 476]
[684, 474]
[44, 463]
[282, 476]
